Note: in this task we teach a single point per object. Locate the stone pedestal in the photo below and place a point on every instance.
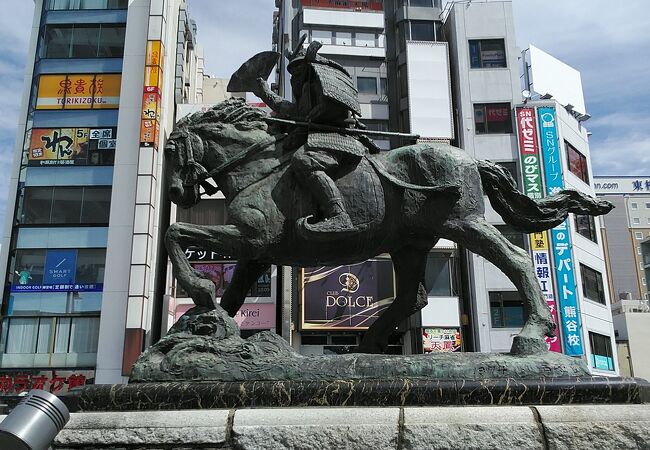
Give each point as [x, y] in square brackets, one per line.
[471, 427]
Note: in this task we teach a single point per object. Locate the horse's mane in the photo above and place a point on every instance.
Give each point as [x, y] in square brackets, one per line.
[232, 111]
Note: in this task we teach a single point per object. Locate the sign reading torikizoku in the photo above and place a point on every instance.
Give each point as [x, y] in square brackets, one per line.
[560, 236]
[68, 146]
[58, 382]
[347, 297]
[83, 91]
[530, 164]
[151, 95]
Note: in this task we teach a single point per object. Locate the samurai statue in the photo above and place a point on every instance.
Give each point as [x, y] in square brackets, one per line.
[324, 94]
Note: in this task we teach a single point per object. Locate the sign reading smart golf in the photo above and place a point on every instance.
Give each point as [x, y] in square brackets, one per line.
[529, 154]
[560, 237]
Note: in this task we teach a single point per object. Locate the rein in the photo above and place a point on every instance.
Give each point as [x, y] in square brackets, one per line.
[199, 175]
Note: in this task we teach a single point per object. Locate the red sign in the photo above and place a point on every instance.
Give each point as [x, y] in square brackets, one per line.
[527, 131]
[497, 113]
[54, 381]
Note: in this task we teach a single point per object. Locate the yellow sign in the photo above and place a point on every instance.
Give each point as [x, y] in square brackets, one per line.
[155, 54]
[153, 77]
[80, 91]
[58, 144]
[539, 241]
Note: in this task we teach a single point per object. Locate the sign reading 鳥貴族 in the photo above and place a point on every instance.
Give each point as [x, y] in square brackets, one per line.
[68, 146]
[533, 188]
[441, 340]
[622, 185]
[560, 237]
[349, 297]
[81, 91]
[58, 382]
[59, 275]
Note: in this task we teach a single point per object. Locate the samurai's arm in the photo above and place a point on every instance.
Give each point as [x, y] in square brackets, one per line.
[274, 101]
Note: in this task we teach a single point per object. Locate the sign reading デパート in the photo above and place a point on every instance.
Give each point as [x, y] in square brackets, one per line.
[348, 297]
[79, 91]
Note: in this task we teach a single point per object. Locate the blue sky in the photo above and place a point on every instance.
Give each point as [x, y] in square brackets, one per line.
[608, 42]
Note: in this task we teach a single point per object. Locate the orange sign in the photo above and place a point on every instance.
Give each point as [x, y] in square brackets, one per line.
[58, 144]
[155, 53]
[151, 105]
[149, 132]
[81, 91]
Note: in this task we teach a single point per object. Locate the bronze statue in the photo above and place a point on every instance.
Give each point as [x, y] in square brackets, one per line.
[399, 202]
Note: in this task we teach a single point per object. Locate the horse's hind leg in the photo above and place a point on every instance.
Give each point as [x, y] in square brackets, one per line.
[246, 272]
[410, 264]
[480, 237]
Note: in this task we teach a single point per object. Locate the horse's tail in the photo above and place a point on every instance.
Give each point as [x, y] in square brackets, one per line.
[528, 215]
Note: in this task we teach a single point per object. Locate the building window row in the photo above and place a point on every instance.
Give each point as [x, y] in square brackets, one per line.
[66, 205]
[83, 41]
[369, 85]
[42, 335]
[51, 270]
[357, 5]
[347, 38]
[492, 118]
[418, 30]
[54, 5]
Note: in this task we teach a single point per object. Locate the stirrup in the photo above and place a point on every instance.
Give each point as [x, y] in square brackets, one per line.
[336, 226]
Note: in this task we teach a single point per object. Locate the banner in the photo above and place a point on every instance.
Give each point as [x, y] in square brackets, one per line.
[441, 340]
[68, 146]
[349, 297]
[58, 382]
[560, 236]
[532, 175]
[80, 91]
[151, 95]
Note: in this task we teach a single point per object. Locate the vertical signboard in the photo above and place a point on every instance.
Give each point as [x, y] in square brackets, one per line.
[151, 95]
[560, 236]
[531, 169]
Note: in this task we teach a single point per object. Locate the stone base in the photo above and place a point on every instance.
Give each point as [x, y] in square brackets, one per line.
[396, 392]
[520, 427]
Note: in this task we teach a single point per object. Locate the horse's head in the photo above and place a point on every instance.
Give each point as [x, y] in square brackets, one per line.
[205, 141]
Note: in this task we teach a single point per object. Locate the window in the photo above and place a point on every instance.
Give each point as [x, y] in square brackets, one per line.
[638, 250]
[84, 41]
[515, 237]
[207, 212]
[41, 270]
[493, 118]
[438, 275]
[638, 234]
[507, 310]
[636, 221]
[87, 4]
[367, 85]
[592, 284]
[422, 30]
[421, 3]
[364, 39]
[487, 53]
[634, 205]
[577, 162]
[647, 205]
[343, 38]
[38, 303]
[601, 351]
[324, 37]
[383, 87]
[585, 226]
[66, 205]
[643, 280]
[648, 220]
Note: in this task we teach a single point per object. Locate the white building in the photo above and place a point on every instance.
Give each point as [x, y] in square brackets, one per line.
[81, 240]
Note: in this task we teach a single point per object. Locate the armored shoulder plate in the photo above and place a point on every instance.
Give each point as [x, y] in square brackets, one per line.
[335, 142]
[338, 86]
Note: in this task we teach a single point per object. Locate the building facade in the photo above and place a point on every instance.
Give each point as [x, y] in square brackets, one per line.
[81, 237]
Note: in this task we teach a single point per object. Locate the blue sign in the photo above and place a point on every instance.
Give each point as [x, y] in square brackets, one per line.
[60, 267]
[602, 362]
[560, 236]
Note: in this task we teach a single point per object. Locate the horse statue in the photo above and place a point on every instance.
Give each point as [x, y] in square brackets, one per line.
[401, 202]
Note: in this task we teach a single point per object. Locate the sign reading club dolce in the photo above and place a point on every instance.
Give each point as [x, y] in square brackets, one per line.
[349, 297]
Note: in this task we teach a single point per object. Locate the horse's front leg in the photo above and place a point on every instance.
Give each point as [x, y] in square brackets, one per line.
[222, 239]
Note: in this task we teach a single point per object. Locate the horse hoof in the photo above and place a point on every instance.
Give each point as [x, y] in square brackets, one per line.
[204, 293]
[525, 345]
